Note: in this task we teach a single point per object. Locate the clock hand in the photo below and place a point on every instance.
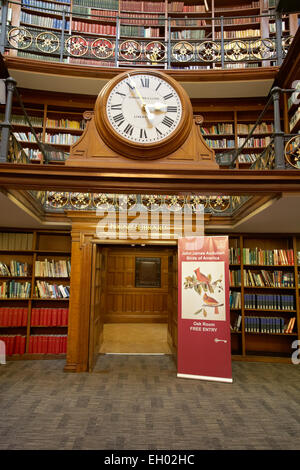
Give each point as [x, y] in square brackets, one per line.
[158, 107]
[145, 108]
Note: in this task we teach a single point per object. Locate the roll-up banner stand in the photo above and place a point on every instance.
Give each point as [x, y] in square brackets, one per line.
[204, 346]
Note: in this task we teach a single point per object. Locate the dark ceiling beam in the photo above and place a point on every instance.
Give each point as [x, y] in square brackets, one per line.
[145, 180]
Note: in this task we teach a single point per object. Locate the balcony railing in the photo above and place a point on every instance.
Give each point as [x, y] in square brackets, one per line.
[196, 42]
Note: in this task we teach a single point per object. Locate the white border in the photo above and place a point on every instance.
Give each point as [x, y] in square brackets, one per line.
[204, 377]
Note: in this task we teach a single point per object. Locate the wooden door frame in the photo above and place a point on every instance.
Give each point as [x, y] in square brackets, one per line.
[83, 237]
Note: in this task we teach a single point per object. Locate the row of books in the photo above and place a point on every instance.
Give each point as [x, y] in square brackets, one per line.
[14, 344]
[15, 290]
[235, 277]
[189, 22]
[268, 257]
[269, 301]
[65, 123]
[48, 6]
[16, 241]
[236, 21]
[269, 325]
[47, 344]
[49, 316]
[94, 28]
[26, 136]
[218, 129]
[134, 5]
[11, 316]
[62, 139]
[33, 154]
[188, 34]
[144, 19]
[235, 300]
[53, 268]
[105, 4]
[269, 279]
[21, 121]
[234, 255]
[262, 128]
[247, 157]
[221, 143]
[139, 31]
[15, 268]
[43, 21]
[254, 141]
[178, 7]
[240, 6]
[238, 34]
[45, 290]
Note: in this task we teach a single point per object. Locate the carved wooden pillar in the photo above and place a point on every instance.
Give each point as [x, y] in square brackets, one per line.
[79, 307]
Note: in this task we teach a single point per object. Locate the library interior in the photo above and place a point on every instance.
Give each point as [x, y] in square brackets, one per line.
[122, 121]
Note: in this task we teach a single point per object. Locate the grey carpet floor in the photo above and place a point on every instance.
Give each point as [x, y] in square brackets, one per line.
[137, 402]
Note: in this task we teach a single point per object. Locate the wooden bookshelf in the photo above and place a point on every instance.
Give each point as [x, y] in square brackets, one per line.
[265, 318]
[227, 130]
[35, 326]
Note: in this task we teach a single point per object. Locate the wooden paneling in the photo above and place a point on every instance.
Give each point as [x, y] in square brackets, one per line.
[124, 301]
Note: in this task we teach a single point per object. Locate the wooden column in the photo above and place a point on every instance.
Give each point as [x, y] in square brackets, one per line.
[79, 307]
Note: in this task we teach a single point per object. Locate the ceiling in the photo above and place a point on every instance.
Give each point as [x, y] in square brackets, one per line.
[92, 85]
[276, 216]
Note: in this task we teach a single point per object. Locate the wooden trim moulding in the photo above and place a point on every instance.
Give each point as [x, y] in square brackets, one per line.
[54, 68]
[147, 179]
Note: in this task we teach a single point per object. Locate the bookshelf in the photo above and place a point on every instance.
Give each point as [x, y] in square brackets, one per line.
[226, 130]
[34, 292]
[264, 297]
[53, 124]
[123, 21]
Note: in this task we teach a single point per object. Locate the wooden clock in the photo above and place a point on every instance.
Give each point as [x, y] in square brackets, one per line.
[143, 114]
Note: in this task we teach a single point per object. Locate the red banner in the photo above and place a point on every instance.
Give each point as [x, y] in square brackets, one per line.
[204, 345]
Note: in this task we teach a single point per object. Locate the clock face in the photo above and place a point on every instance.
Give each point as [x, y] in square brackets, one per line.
[144, 108]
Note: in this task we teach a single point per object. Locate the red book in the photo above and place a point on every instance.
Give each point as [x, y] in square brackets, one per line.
[7, 316]
[51, 344]
[20, 316]
[16, 349]
[56, 344]
[64, 316]
[22, 344]
[44, 341]
[11, 344]
[49, 316]
[34, 315]
[14, 317]
[54, 317]
[35, 344]
[24, 316]
[30, 345]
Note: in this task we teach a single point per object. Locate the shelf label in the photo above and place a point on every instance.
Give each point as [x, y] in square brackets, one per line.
[204, 343]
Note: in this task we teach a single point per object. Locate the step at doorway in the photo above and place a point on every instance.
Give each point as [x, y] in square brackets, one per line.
[135, 338]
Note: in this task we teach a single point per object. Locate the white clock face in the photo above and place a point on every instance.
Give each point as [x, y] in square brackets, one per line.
[144, 108]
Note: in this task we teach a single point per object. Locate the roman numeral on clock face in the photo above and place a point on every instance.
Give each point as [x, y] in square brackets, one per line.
[167, 121]
[119, 118]
[145, 82]
[128, 129]
[171, 109]
[116, 107]
[143, 134]
[167, 97]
